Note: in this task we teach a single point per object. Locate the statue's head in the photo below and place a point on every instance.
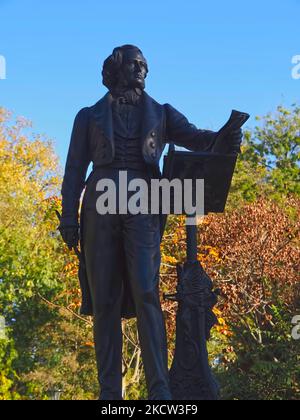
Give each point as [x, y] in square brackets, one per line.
[125, 67]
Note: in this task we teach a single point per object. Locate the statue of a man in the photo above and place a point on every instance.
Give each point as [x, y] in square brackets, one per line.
[126, 130]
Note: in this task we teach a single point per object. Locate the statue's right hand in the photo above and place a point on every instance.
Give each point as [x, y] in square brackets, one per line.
[70, 235]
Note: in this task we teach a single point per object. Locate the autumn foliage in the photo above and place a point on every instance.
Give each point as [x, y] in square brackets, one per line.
[251, 253]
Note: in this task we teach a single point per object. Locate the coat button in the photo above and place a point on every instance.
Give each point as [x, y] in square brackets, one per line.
[152, 145]
[153, 134]
[153, 156]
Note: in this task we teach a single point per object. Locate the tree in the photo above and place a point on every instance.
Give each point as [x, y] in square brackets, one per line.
[251, 252]
[34, 269]
[269, 164]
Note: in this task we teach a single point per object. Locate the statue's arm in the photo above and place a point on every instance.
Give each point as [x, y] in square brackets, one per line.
[77, 164]
[181, 132]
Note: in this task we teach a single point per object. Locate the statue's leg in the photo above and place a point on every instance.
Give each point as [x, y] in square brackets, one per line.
[103, 248]
[142, 250]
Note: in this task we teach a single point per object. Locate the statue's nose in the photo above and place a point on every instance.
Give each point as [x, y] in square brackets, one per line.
[138, 67]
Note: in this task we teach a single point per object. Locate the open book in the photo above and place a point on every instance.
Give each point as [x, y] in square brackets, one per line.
[236, 121]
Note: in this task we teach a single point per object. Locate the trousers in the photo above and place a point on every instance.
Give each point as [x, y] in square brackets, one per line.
[115, 244]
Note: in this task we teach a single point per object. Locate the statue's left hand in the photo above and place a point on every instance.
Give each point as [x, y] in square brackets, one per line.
[70, 235]
[235, 139]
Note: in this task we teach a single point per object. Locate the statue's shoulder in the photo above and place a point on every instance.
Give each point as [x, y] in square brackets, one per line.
[149, 99]
[166, 108]
[82, 115]
[84, 111]
[104, 101]
[153, 107]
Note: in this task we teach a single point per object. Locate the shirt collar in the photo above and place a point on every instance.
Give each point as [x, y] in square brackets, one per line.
[129, 96]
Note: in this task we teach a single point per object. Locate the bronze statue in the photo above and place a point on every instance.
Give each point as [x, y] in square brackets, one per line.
[120, 254]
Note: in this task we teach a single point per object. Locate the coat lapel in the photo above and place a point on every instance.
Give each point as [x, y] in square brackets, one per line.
[102, 113]
[151, 130]
[152, 115]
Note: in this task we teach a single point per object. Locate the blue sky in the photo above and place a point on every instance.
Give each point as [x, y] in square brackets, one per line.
[205, 57]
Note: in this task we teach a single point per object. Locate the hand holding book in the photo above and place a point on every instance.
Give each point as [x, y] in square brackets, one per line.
[229, 138]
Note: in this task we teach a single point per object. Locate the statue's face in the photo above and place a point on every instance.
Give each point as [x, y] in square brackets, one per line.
[134, 69]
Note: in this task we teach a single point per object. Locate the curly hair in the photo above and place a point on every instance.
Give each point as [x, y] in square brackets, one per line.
[113, 63]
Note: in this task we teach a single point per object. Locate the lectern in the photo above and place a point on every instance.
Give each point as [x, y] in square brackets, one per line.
[190, 376]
